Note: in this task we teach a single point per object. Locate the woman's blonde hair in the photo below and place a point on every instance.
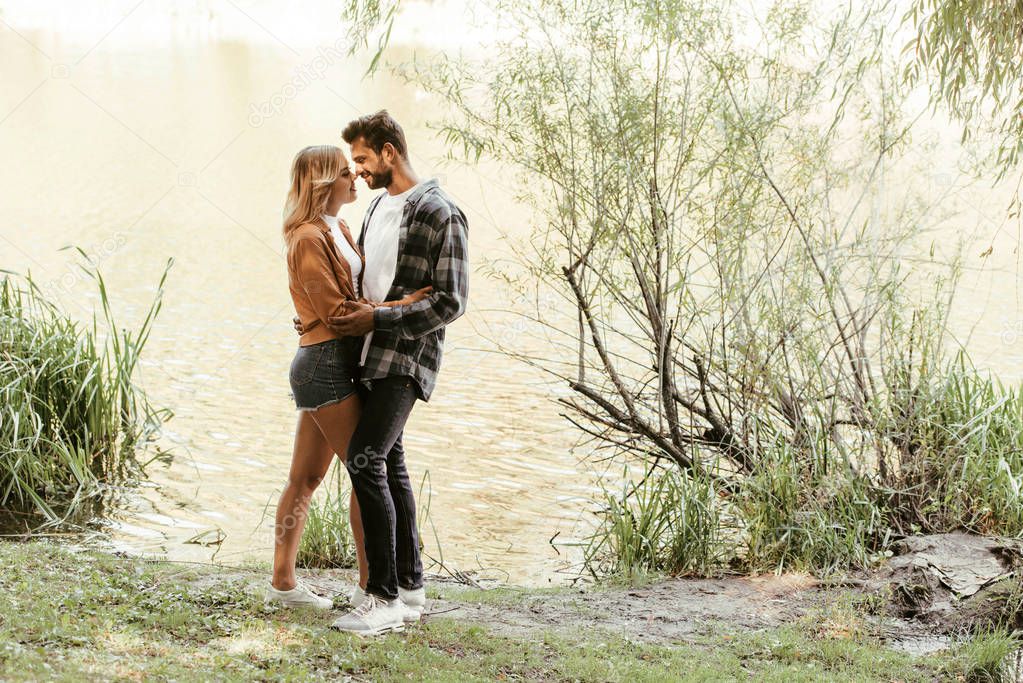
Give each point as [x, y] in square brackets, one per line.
[313, 174]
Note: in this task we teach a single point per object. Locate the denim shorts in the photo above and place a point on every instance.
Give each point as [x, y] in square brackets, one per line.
[325, 373]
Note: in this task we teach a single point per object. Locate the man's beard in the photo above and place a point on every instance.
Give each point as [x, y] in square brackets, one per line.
[381, 179]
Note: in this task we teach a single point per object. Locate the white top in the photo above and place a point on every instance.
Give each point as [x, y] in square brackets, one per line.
[381, 249]
[346, 249]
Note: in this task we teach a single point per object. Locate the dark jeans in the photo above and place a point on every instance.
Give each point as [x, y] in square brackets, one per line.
[376, 464]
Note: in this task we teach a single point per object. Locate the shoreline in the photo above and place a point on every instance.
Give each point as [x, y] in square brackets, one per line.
[82, 614]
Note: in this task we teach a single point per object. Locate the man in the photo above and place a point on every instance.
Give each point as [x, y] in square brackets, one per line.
[413, 236]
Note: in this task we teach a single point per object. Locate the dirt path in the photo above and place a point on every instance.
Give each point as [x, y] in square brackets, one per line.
[918, 602]
[665, 612]
[934, 589]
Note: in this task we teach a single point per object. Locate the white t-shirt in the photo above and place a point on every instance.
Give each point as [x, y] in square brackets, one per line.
[346, 249]
[381, 249]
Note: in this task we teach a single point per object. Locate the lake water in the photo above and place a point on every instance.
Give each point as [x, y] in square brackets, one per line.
[147, 130]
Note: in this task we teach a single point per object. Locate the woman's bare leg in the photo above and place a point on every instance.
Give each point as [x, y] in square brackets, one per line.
[309, 465]
[337, 423]
[310, 461]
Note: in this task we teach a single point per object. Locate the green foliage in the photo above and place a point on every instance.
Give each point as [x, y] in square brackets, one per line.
[71, 415]
[366, 17]
[958, 462]
[327, 539]
[968, 53]
[958, 437]
[984, 658]
[715, 195]
[675, 524]
[68, 615]
[792, 520]
[701, 183]
[669, 522]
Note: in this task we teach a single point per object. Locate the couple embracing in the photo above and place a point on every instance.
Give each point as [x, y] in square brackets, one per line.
[371, 315]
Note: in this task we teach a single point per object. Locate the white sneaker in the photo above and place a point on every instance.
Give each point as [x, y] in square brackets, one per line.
[373, 617]
[357, 596]
[413, 602]
[299, 596]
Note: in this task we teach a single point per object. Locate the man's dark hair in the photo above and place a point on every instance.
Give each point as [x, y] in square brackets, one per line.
[377, 130]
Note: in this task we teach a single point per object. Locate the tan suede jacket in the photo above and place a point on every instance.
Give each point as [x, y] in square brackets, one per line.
[319, 278]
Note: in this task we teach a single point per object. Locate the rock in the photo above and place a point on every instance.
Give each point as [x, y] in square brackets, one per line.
[962, 563]
[955, 579]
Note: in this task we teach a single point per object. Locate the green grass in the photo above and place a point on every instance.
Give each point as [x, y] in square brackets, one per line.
[982, 659]
[73, 616]
[71, 414]
[952, 441]
[669, 522]
[963, 453]
[327, 539]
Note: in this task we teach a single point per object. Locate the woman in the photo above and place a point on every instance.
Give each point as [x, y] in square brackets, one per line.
[324, 263]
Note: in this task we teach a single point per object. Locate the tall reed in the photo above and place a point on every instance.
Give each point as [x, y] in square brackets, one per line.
[72, 416]
[667, 522]
[327, 539]
[954, 438]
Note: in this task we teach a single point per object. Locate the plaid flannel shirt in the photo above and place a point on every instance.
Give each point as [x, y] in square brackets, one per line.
[432, 250]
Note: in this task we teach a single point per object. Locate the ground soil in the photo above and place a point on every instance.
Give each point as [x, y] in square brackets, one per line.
[933, 590]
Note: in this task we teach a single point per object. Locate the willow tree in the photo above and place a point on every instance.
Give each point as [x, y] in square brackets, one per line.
[717, 212]
[968, 53]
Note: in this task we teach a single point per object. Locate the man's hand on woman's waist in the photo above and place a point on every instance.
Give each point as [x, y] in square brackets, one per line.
[358, 315]
[357, 320]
